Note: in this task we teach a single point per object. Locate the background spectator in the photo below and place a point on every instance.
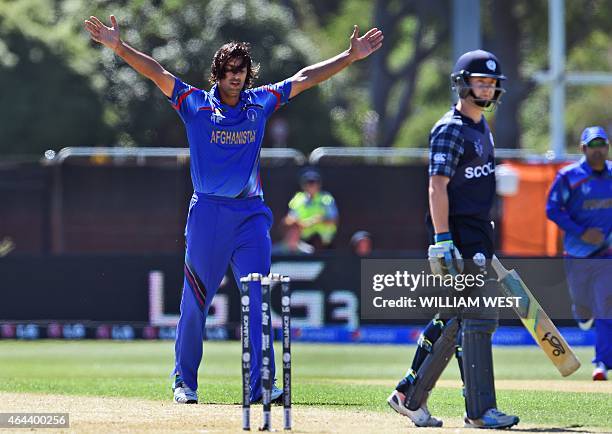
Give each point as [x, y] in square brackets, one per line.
[291, 244]
[361, 243]
[314, 211]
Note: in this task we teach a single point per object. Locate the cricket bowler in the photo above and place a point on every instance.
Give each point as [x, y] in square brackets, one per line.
[461, 195]
[580, 203]
[228, 222]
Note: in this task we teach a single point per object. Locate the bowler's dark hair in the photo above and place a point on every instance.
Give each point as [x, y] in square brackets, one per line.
[231, 50]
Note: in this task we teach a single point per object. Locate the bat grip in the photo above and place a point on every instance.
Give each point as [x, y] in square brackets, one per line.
[498, 267]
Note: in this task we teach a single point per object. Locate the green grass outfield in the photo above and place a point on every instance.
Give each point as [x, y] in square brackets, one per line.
[345, 376]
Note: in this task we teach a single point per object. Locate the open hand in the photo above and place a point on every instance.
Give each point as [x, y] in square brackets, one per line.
[362, 47]
[107, 36]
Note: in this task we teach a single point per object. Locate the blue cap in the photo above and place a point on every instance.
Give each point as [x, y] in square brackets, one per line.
[310, 175]
[591, 133]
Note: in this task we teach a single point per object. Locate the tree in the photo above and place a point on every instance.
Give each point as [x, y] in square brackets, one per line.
[48, 100]
[420, 23]
[392, 87]
[60, 89]
[503, 35]
[518, 33]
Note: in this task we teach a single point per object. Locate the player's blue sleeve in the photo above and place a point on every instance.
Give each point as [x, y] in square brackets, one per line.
[556, 206]
[273, 96]
[331, 210]
[445, 149]
[184, 100]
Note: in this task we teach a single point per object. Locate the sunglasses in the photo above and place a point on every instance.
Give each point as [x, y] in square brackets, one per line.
[597, 143]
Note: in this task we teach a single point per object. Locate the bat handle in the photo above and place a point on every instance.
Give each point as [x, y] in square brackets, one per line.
[498, 267]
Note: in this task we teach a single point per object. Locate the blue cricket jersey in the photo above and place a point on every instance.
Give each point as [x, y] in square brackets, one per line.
[225, 141]
[580, 199]
[464, 152]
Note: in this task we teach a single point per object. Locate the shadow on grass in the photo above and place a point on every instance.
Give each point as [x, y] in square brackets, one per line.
[571, 428]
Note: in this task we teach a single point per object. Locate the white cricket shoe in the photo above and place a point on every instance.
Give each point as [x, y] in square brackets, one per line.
[276, 396]
[491, 419]
[601, 372]
[183, 394]
[585, 324]
[420, 417]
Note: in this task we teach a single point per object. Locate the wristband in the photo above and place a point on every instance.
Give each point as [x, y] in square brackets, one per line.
[443, 236]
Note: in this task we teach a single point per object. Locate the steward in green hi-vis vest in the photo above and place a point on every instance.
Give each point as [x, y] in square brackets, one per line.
[316, 214]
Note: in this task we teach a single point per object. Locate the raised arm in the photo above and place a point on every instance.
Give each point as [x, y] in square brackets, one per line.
[143, 64]
[360, 48]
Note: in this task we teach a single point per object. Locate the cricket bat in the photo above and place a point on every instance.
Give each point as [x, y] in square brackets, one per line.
[536, 321]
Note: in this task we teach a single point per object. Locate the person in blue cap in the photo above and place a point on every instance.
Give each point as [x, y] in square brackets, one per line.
[228, 222]
[314, 211]
[580, 203]
[461, 196]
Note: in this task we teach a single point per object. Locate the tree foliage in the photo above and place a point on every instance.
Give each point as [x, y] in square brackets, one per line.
[404, 86]
[48, 100]
[60, 89]
[518, 32]
[416, 32]
[88, 96]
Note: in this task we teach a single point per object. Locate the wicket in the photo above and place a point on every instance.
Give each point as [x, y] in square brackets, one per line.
[266, 374]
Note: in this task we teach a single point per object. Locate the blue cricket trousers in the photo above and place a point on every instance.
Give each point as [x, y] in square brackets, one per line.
[590, 284]
[220, 232]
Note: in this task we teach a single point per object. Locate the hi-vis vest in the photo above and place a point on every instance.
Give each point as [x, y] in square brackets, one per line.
[306, 208]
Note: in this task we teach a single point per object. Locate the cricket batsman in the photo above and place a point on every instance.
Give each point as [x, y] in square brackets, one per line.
[580, 203]
[461, 195]
[228, 222]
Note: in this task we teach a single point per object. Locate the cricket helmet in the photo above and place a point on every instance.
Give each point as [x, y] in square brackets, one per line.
[478, 63]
